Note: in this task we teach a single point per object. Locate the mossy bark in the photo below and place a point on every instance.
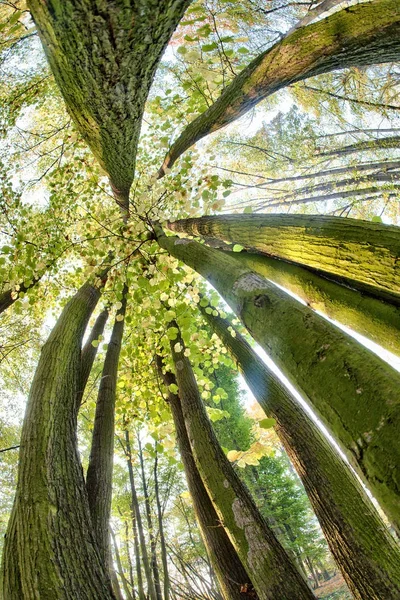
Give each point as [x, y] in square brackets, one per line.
[103, 56]
[365, 551]
[50, 550]
[272, 571]
[353, 391]
[363, 34]
[375, 319]
[100, 469]
[230, 572]
[361, 254]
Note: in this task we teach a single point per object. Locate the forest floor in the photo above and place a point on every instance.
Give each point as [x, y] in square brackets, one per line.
[334, 589]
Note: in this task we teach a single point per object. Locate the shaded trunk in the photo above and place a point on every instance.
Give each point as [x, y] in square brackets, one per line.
[273, 573]
[363, 548]
[7, 299]
[364, 34]
[89, 353]
[100, 469]
[372, 318]
[359, 253]
[230, 572]
[50, 548]
[354, 392]
[167, 584]
[137, 523]
[153, 547]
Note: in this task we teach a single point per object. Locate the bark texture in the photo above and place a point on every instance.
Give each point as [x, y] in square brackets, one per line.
[364, 550]
[363, 34]
[354, 392]
[89, 353]
[228, 567]
[50, 551]
[362, 254]
[104, 56]
[373, 318]
[100, 469]
[273, 573]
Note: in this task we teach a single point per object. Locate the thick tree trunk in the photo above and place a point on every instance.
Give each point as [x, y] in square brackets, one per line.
[273, 573]
[107, 104]
[149, 518]
[359, 253]
[139, 524]
[372, 318]
[89, 354]
[100, 469]
[363, 548]
[50, 549]
[363, 34]
[230, 572]
[164, 556]
[354, 392]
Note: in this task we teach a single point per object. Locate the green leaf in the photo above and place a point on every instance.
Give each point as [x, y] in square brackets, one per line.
[209, 47]
[267, 423]
[237, 248]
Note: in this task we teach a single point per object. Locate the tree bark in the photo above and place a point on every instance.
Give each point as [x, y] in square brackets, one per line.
[139, 524]
[153, 547]
[354, 392]
[230, 572]
[380, 144]
[363, 548]
[273, 573]
[50, 549]
[89, 353]
[100, 469]
[363, 254]
[364, 34]
[372, 318]
[107, 104]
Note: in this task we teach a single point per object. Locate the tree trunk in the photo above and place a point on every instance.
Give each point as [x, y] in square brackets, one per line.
[354, 392]
[167, 584]
[371, 145]
[372, 318]
[273, 573]
[360, 253]
[7, 299]
[363, 548]
[153, 547]
[107, 104]
[364, 34]
[230, 572]
[139, 524]
[119, 565]
[50, 549]
[89, 354]
[100, 469]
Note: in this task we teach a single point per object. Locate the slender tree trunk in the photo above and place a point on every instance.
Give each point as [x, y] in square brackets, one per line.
[8, 297]
[50, 549]
[357, 536]
[354, 392]
[365, 34]
[164, 556]
[120, 568]
[89, 353]
[100, 469]
[230, 572]
[312, 571]
[141, 593]
[371, 145]
[372, 318]
[272, 571]
[153, 547]
[360, 253]
[138, 523]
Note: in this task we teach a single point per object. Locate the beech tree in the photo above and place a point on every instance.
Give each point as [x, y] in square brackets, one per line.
[106, 129]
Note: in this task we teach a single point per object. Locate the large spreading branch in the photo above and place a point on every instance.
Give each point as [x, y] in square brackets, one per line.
[364, 34]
